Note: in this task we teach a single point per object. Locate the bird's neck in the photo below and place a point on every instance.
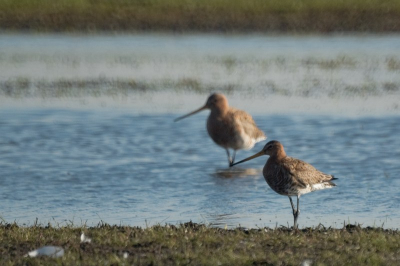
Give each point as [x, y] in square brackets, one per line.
[272, 163]
[279, 155]
[219, 110]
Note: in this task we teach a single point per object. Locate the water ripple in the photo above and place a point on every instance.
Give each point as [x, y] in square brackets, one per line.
[82, 166]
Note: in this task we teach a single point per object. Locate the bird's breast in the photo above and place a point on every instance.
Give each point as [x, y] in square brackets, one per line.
[278, 179]
[223, 132]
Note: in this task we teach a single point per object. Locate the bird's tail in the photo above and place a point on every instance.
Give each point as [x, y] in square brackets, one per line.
[330, 181]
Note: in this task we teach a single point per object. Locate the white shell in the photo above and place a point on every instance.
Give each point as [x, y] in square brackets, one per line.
[51, 251]
[85, 239]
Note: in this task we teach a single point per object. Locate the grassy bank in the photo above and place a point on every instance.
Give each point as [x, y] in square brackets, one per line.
[201, 245]
[201, 15]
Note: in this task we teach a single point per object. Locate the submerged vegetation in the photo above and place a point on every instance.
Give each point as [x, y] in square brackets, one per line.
[201, 15]
[201, 245]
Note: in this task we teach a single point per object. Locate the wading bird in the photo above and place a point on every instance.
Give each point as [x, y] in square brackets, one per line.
[228, 127]
[290, 176]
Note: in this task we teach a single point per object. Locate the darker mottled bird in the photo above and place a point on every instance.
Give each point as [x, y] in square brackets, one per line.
[290, 176]
[228, 127]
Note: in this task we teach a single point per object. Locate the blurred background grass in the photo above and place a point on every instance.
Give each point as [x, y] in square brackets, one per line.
[201, 15]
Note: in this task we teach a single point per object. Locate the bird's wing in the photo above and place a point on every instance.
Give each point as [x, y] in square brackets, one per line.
[304, 173]
[247, 124]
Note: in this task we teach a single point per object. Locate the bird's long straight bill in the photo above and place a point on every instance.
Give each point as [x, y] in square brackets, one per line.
[261, 153]
[192, 113]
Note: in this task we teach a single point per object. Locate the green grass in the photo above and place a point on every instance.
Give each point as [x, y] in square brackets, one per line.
[200, 15]
[201, 245]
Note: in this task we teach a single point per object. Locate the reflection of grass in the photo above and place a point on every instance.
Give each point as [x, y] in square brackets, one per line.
[189, 84]
[69, 88]
[391, 87]
[393, 64]
[23, 87]
[363, 90]
[244, 15]
[201, 245]
[339, 62]
[229, 63]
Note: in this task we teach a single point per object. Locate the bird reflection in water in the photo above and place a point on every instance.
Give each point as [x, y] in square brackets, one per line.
[237, 172]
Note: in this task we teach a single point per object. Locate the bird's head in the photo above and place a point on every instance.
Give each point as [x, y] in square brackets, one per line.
[216, 101]
[272, 148]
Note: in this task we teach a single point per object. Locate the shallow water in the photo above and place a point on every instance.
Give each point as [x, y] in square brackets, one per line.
[87, 131]
[124, 168]
[307, 66]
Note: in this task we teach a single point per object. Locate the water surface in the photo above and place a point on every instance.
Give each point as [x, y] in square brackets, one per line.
[124, 168]
[87, 131]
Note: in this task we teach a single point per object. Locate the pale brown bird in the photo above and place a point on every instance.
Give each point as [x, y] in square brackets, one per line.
[290, 176]
[228, 127]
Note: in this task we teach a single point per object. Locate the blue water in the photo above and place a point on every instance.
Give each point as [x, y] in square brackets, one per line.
[85, 166]
[100, 152]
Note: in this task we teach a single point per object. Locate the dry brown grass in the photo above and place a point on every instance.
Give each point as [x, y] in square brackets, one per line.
[201, 15]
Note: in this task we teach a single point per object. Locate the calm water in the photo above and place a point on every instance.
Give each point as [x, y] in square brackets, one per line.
[84, 155]
[123, 168]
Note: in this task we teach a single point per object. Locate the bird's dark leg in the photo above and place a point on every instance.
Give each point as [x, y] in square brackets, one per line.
[229, 157]
[294, 212]
[297, 212]
[234, 155]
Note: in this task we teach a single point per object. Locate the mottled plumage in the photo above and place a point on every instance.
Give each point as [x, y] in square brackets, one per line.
[228, 127]
[290, 176]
